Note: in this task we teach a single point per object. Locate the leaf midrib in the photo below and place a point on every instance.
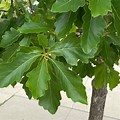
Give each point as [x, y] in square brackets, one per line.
[64, 76]
[13, 71]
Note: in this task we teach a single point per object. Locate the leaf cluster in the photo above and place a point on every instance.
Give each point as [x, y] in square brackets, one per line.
[50, 45]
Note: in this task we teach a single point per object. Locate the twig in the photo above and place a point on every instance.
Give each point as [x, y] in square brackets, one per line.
[11, 3]
[31, 8]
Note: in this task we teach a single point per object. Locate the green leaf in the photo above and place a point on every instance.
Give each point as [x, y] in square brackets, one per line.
[3, 26]
[27, 91]
[99, 7]
[104, 75]
[38, 79]
[51, 99]
[70, 82]
[64, 23]
[70, 49]
[113, 78]
[9, 37]
[116, 12]
[11, 72]
[108, 53]
[93, 29]
[10, 52]
[83, 69]
[25, 41]
[42, 39]
[33, 27]
[67, 5]
[32, 49]
[100, 75]
[114, 40]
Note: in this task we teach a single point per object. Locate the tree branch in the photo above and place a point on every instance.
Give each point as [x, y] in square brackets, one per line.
[31, 8]
[11, 3]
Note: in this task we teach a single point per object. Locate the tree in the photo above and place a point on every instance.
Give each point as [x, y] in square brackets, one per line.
[50, 45]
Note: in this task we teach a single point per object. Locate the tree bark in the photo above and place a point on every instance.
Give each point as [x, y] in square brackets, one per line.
[97, 103]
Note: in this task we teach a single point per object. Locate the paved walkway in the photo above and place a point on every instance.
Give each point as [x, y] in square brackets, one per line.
[14, 105]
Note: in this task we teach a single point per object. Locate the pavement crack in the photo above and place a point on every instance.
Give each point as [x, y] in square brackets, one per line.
[6, 100]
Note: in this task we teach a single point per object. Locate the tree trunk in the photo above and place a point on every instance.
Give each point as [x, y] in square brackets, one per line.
[97, 103]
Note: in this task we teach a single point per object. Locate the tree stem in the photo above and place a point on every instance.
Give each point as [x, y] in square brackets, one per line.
[31, 8]
[97, 103]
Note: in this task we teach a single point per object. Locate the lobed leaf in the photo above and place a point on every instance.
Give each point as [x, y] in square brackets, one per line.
[9, 37]
[70, 49]
[93, 29]
[104, 75]
[38, 79]
[70, 82]
[11, 72]
[26, 89]
[114, 40]
[25, 41]
[99, 7]
[67, 5]
[33, 27]
[83, 69]
[52, 97]
[64, 23]
[100, 75]
[108, 53]
[113, 78]
[10, 51]
[42, 39]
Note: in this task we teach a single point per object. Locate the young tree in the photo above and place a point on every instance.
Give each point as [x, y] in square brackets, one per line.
[50, 45]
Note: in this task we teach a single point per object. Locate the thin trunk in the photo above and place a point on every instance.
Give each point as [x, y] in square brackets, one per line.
[97, 103]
